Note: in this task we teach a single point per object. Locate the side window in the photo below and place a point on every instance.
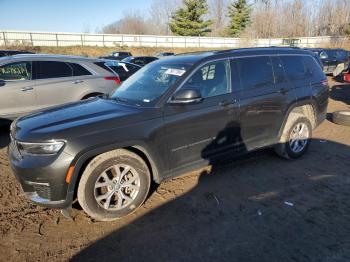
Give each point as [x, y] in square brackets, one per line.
[312, 67]
[16, 71]
[78, 70]
[51, 69]
[255, 72]
[211, 79]
[278, 70]
[294, 67]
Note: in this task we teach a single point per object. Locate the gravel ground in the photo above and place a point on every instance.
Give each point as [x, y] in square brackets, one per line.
[232, 212]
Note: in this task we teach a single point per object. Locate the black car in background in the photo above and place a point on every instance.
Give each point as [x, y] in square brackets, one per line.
[174, 115]
[116, 55]
[331, 58]
[140, 60]
[13, 52]
[123, 69]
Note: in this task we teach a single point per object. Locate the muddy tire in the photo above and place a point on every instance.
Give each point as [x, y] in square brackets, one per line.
[295, 138]
[113, 185]
[341, 118]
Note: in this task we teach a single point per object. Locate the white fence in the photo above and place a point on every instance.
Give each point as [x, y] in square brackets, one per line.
[8, 38]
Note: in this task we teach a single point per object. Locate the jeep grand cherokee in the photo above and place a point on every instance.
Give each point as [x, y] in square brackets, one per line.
[172, 116]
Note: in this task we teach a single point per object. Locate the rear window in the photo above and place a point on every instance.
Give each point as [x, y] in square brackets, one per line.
[53, 69]
[104, 66]
[255, 71]
[79, 70]
[312, 67]
[294, 67]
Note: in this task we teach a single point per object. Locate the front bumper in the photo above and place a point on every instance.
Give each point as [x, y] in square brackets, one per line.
[42, 178]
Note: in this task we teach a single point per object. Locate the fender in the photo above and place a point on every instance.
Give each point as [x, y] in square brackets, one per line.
[307, 101]
[81, 158]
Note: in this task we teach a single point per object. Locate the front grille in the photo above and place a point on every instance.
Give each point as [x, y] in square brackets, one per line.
[43, 191]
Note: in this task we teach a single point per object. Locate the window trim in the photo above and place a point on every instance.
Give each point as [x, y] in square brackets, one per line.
[13, 62]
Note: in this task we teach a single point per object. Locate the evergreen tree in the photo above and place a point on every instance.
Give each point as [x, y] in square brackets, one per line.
[188, 20]
[239, 12]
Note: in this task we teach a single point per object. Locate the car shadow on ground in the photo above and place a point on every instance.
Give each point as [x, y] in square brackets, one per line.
[340, 92]
[255, 208]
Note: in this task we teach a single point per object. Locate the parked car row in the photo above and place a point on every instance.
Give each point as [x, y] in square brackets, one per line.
[334, 61]
[171, 116]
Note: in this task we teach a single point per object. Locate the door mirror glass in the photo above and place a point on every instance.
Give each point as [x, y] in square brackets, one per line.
[186, 96]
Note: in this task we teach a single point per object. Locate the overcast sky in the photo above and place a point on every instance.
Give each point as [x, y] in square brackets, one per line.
[65, 15]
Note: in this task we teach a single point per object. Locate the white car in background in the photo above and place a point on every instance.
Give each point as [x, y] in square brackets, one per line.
[33, 81]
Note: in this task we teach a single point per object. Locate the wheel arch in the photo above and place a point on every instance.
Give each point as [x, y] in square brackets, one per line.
[84, 159]
[306, 108]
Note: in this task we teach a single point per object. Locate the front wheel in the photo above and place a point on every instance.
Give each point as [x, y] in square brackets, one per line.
[295, 139]
[113, 185]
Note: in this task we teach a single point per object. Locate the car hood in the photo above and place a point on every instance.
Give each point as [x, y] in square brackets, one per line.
[92, 115]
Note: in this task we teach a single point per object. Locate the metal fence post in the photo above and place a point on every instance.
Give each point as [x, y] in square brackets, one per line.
[56, 40]
[5, 42]
[31, 38]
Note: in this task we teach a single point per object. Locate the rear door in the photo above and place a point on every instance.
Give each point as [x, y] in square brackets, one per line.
[55, 83]
[264, 98]
[297, 74]
[17, 90]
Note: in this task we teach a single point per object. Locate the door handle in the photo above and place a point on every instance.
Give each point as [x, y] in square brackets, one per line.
[78, 81]
[283, 91]
[25, 89]
[226, 103]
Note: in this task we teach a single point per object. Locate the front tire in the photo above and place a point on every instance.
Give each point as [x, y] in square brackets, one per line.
[295, 139]
[113, 185]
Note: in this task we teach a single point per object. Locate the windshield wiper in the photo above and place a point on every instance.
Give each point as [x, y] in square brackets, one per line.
[122, 100]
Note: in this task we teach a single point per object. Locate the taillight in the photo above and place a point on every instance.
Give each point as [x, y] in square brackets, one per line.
[324, 82]
[116, 79]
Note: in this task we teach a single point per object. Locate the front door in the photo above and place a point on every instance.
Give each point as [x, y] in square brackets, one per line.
[202, 130]
[17, 89]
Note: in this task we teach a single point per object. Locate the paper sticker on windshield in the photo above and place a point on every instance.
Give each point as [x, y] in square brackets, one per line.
[175, 72]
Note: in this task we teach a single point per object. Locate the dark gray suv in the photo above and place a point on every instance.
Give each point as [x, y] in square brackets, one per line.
[172, 116]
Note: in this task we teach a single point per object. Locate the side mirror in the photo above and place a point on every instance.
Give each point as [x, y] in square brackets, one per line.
[2, 82]
[186, 96]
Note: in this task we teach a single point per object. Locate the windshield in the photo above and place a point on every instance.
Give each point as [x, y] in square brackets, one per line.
[336, 54]
[147, 85]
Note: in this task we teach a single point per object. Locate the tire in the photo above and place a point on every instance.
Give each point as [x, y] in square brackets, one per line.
[91, 96]
[285, 147]
[341, 118]
[102, 171]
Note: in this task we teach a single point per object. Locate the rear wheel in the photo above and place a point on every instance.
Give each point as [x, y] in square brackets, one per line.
[113, 185]
[295, 139]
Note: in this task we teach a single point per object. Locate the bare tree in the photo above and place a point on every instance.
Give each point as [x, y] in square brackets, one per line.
[132, 23]
[218, 14]
[160, 14]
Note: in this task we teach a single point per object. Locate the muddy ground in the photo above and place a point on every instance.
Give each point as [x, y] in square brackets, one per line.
[235, 212]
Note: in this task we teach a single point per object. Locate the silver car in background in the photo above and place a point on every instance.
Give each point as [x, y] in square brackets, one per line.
[32, 82]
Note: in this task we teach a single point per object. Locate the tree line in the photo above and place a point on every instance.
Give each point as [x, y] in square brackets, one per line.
[238, 18]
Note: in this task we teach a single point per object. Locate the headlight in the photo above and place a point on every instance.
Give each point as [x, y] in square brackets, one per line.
[49, 148]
